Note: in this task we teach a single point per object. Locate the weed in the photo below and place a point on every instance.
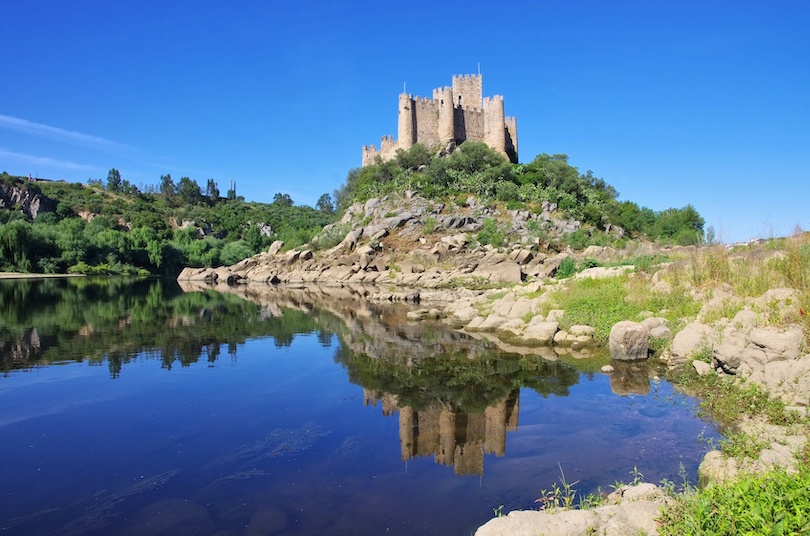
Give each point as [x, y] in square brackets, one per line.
[560, 495]
[430, 225]
[739, 445]
[568, 267]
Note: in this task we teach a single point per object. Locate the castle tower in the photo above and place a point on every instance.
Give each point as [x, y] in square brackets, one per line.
[406, 122]
[494, 123]
[468, 90]
[444, 100]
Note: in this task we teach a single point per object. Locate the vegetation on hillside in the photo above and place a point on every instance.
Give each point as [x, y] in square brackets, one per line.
[476, 169]
[113, 227]
[125, 231]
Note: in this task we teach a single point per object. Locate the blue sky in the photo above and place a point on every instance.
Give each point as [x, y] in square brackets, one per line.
[701, 102]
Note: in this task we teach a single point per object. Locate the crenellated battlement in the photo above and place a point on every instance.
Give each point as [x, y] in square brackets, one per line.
[453, 115]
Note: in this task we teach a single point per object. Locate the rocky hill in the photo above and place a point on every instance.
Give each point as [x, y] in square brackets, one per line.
[407, 240]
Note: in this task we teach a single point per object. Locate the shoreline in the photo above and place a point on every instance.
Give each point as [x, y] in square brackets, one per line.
[20, 275]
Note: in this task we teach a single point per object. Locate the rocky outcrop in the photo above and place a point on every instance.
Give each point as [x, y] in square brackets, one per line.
[28, 200]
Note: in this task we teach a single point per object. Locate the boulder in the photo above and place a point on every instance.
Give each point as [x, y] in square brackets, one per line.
[702, 368]
[661, 332]
[275, 247]
[629, 341]
[540, 333]
[778, 344]
[715, 469]
[503, 272]
[689, 340]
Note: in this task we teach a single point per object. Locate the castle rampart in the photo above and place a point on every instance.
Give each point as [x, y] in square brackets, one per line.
[453, 115]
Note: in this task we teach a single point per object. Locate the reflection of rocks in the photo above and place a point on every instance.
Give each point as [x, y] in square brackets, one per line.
[452, 436]
[377, 329]
[629, 378]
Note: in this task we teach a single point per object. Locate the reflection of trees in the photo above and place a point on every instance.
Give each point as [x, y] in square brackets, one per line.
[117, 319]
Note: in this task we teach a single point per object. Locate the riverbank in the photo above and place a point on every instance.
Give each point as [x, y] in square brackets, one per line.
[20, 275]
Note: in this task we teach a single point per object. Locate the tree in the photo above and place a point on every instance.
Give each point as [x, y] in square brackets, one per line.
[167, 187]
[212, 190]
[283, 200]
[189, 191]
[325, 204]
[113, 181]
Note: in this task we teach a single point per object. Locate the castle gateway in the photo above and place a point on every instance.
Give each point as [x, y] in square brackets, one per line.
[454, 115]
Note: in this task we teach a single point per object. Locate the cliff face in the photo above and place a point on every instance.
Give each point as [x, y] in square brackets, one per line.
[29, 201]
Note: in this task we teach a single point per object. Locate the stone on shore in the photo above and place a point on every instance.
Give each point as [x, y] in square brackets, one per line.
[635, 513]
[629, 341]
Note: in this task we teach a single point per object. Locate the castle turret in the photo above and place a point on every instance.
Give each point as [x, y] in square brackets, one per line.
[406, 122]
[444, 99]
[494, 123]
[468, 90]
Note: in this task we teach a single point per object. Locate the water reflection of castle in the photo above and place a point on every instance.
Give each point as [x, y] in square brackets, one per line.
[452, 436]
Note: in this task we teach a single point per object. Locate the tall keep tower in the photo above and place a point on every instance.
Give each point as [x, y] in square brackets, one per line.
[452, 116]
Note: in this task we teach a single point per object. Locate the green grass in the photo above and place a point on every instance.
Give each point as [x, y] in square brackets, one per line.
[601, 303]
[725, 400]
[775, 503]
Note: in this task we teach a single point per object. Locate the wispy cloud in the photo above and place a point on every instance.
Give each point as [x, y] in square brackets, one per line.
[44, 161]
[59, 134]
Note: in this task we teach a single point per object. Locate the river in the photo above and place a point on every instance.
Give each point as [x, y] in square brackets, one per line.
[135, 407]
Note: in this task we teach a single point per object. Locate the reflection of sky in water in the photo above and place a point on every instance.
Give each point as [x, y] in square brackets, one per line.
[279, 441]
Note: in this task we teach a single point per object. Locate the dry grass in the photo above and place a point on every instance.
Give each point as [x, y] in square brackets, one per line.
[752, 270]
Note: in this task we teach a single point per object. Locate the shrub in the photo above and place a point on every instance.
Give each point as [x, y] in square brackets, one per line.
[491, 233]
[568, 267]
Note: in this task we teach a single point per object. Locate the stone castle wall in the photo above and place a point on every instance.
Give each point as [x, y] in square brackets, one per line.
[453, 115]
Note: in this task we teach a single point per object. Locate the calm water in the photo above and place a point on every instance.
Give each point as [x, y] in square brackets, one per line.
[138, 408]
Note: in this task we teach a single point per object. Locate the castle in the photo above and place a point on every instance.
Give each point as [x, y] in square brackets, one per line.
[454, 115]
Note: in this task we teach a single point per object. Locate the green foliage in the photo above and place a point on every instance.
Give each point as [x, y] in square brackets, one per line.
[775, 503]
[568, 267]
[491, 233]
[474, 168]
[133, 232]
[430, 225]
[724, 400]
[330, 236]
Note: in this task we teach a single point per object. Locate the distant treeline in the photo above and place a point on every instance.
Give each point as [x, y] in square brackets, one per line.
[114, 228]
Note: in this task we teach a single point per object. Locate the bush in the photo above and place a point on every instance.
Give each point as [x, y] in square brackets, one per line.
[491, 233]
[568, 267]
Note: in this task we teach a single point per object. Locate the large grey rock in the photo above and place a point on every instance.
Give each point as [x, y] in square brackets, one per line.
[689, 340]
[540, 333]
[716, 469]
[503, 272]
[728, 356]
[702, 368]
[629, 341]
[778, 344]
